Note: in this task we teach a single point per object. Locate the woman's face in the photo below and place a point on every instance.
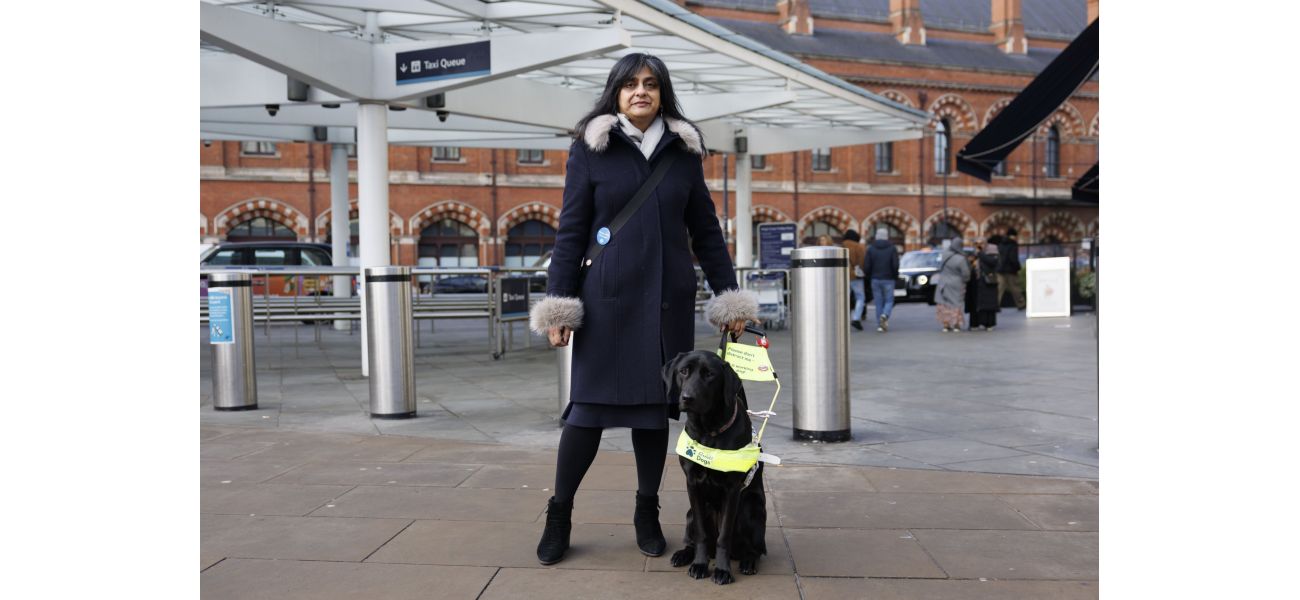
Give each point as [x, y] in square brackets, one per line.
[639, 97]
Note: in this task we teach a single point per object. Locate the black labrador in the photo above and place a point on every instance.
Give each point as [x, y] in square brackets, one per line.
[727, 519]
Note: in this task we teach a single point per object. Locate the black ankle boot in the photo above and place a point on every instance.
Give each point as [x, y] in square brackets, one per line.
[555, 539]
[649, 537]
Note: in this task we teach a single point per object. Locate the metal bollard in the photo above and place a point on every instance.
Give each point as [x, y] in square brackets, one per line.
[230, 333]
[564, 363]
[388, 342]
[819, 313]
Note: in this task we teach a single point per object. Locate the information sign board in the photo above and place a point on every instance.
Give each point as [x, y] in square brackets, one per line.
[775, 243]
[444, 62]
[221, 325]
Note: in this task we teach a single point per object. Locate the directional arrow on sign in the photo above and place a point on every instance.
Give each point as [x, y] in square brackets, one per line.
[402, 68]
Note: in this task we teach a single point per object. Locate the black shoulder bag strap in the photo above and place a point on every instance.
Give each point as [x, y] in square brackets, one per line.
[623, 216]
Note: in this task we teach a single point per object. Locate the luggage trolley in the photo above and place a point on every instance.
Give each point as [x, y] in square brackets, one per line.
[770, 286]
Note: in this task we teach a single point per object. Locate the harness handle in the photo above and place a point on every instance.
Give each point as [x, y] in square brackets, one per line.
[759, 335]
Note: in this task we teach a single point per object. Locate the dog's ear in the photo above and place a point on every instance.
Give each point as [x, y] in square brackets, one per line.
[669, 372]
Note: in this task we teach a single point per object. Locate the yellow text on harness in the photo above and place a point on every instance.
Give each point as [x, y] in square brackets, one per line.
[734, 461]
[750, 362]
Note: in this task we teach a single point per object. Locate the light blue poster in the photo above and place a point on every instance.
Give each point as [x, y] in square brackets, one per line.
[221, 327]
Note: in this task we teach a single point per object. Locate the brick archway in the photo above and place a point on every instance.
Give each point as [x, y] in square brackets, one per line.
[325, 221]
[1065, 226]
[1068, 121]
[252, 208]
[956, 216]
[898, 97]
[957, 109]
[763, 213]
[456, 211]
[897, 217]
[1092, 228]
[998, 222]
[532, 211]
[995, 108]
[1092, 127]
[832, 215]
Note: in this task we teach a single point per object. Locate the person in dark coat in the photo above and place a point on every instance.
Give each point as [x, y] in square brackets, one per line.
[1009, 269]
[881, 267]
[982, 291]
[634, 309]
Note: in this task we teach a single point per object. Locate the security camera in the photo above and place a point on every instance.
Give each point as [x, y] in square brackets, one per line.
[207, 143]
[271, 109]
[442, 116]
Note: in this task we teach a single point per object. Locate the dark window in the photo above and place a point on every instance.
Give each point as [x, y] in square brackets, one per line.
[448, 243]
[821, 159]
[528, 242]
[531, 157]
[313, 257]
[1000, 169]
[942, 142]
[758, 161]
[229, 256]
[1053, 159]
[448, 153]
[257, 148]
[885, 157]
[260, 228]
[943, 230]
[274, 257]
[820, 228]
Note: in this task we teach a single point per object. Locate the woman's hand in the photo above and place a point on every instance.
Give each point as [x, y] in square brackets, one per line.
[559, 336]
[736, 327]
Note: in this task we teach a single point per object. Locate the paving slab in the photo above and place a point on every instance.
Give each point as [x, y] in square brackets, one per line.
[298, 538]
[1057, 512]
[818, 479]
[598, 477]
[777, 561]
[860, 553]
[376, 473]
[1027, 464]
[498, 544]
[559, 584]
[826, 588]
[455, 504]
[939, 452]
[247, 579]
[485, 454]
[902, 480]
[266, 498]
[897, 511]
[237, 472]
[1012, 554]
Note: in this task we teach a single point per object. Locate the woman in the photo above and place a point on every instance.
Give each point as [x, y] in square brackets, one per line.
[984, 290]
[635, 305]
[950, 292]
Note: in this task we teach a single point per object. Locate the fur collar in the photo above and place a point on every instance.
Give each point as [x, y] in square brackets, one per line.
[597, 134]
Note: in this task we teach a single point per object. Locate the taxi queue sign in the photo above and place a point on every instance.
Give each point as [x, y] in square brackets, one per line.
[389, 342]
[230, 335]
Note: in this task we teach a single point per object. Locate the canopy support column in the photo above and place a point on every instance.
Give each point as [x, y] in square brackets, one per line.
[372, 198]
[744, 213]
[340, 227]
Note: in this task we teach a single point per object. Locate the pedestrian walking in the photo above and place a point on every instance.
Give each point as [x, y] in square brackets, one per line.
[950, 292]
[1009, 270]
[857, 277]
[881, 266]
[983, 290]
[625, 281]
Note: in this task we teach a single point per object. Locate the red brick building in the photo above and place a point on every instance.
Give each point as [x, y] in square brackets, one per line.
[960, 60]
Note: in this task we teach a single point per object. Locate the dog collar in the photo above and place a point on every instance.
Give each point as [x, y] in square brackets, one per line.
[735, 409]
[734, 461]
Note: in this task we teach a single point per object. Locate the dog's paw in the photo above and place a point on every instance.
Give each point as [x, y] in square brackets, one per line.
[683, 557]
[721, 577]
[698, 570]
[749, 567]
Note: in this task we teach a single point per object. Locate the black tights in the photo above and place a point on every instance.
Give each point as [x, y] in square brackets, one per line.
[578, 447]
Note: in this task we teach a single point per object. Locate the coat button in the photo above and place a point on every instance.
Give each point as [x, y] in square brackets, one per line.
[664, 306]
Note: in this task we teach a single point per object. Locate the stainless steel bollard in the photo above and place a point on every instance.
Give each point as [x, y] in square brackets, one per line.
[230, 333]
[564, 364]
[388, 342]
[819, 314]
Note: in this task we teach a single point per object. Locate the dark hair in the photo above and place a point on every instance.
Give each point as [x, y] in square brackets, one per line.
[624, 70]
[852, 236]
[1011, 232]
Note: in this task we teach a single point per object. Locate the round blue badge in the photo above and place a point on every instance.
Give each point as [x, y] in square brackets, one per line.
[602, 236]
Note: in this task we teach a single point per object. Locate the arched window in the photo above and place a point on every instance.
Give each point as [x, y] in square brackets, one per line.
[448, 243]
[943, 230]
[820, 228]
[885, 157]
[528, 242]
[1053, 158]
[260, 229]
[942, 141]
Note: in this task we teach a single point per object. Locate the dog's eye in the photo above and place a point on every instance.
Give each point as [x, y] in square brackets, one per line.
[683, 371]
[707, 374]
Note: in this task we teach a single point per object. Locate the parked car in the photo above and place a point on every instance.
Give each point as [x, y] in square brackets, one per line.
[916, 271]
[270, 255]
[460, 284]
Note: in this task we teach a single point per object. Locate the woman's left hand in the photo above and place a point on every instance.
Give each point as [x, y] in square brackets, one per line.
[736, 327]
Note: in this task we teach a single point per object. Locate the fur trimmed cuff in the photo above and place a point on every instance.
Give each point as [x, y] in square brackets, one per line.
[555, 311]
[731, 305]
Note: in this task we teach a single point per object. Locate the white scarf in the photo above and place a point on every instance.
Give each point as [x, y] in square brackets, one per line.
[647, 140]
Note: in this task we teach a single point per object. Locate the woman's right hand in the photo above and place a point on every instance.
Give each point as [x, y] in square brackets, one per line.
[559, 336]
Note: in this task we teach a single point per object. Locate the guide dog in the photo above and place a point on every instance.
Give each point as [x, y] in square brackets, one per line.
[727, 519]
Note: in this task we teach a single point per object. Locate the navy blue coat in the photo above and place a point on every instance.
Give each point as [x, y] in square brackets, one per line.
[639, 295]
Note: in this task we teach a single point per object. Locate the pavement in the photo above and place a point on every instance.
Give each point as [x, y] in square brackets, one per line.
[972, 474]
